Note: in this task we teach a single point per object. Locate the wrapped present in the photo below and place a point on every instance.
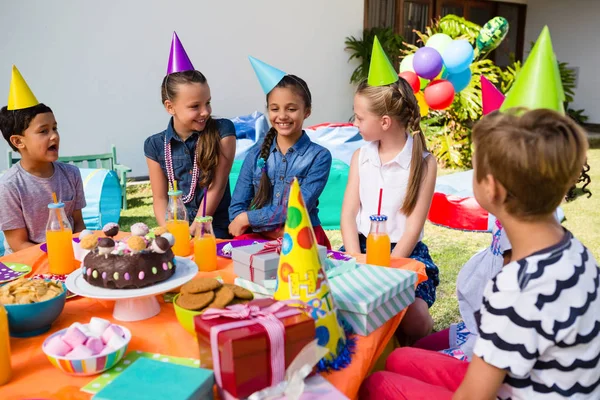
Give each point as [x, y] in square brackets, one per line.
[259, 262]
[368, 296]
[249, 346]
[259, 291]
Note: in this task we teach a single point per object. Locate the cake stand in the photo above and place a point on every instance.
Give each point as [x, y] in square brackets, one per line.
[134, 304]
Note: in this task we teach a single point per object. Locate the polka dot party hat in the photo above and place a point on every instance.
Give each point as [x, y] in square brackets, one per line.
[301, 276]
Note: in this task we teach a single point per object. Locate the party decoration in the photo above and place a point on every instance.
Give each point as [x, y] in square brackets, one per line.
[412, 79]
[19, 94]
[427, 62]
[491, 34]
[439, 41]
[439, 94]
[268, 76]
[423, 107]
[407, 63]
[458, 56]
[460, 80]
[302, 277]
[538, 84]
[491, 97]
[381, 70]
[178, 58]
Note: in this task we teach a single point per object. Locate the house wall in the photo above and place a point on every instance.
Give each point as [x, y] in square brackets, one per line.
[574, 30]
[99, 65]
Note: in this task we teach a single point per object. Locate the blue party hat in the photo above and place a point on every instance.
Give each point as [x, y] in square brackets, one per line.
[268, 76]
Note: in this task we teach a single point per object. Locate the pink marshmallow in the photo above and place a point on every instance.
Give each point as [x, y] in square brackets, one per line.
[57, 347]
[74, 337]
[111, 331]
[80, 352]
[95, 345]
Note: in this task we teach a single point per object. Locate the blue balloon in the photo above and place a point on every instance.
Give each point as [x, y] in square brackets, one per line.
[458, 56]
[460, 80]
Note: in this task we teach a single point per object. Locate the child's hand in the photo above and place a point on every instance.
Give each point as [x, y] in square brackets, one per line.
[193, 228]
[239, 224]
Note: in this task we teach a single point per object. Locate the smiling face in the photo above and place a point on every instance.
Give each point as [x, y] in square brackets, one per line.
[287, 111]
[191, 107]
[40, 140]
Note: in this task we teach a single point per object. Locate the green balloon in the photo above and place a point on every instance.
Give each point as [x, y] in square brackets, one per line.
[492, 34]
[439, 41]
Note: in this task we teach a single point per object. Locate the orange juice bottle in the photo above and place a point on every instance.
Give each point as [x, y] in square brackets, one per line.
[177, 224]
[5, 368]
[205, 245]
[59, 238]
[378, 242]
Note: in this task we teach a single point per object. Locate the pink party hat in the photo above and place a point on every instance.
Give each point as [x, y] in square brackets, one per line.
[178, 59]
[491, 97]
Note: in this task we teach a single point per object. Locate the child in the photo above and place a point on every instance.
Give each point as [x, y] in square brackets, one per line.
[26, 188]
[260, 196]
[395, 159]
[539, 323]
[195, 150]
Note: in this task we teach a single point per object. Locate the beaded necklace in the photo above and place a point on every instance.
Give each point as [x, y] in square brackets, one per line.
[171, 176]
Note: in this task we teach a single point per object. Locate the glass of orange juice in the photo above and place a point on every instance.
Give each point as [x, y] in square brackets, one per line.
[177, 224]
[59, 238]
[378, 242]
[205, 245]
[5, 367]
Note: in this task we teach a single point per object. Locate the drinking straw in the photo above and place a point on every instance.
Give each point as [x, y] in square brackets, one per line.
[175, 201]
[55, 200]
[380, 196]
[204, 206]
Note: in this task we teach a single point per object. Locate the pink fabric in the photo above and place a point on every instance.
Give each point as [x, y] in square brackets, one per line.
[415, 374]
[435, 342]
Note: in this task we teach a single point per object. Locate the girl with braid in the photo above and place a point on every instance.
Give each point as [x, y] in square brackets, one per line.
[261, 194]
[395, 159]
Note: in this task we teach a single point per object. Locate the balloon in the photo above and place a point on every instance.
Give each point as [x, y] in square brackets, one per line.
[412, 79]
[424, 83]
[439, 94]
[439, 41]
[460, 80]
[492, 34]
[458, 56]
[427, 62]
[423, 107]
[407, 63]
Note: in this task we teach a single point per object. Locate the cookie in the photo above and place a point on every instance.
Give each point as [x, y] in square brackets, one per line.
[239, 292]
[238, 301]
[200, 285]
[195, 302]
[223, 297]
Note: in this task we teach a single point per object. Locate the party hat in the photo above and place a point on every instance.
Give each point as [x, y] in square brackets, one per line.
[268, 76]
[301, 276]
[19, 94]
[538, 84]
[178, 58]
[491, 97]
[381, 70]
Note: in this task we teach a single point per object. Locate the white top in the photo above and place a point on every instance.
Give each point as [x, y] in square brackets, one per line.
[393, 178]
[540, 321]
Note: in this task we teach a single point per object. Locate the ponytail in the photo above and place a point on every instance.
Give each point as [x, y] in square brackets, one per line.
[263, 193]
[417, 163]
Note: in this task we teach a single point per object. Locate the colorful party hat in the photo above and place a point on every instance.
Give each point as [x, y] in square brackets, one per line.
[178, 58]
[381, 70]
[268, 76]
[491, 97]
[538, 84]
[301, 276]
[19, 94]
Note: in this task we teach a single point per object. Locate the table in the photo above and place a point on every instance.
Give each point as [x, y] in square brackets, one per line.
[34, 376]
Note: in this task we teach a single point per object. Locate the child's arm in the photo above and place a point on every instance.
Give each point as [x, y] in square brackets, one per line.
[350, 208]
[80, 203]
[18, 239]
[482, 381]
[78, 224]
[242, 197]
[416, 220]
[219, 182]
[160, 187]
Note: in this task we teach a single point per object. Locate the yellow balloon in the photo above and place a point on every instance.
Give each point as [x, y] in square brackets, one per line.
[424, 108]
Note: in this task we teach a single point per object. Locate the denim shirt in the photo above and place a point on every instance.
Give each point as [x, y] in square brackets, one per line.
[305, 160]
[182, 154]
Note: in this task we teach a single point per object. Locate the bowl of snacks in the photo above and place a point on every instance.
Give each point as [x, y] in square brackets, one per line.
[32, 305]
[87, 349]
[185, 316]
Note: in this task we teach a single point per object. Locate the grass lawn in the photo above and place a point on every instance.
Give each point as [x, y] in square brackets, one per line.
[450, 249]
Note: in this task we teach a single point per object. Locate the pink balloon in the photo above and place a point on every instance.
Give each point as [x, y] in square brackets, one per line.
[439, 94]
[412, 79]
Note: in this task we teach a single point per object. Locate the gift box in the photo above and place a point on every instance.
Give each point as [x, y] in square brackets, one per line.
[259, 291]
[245, 358]
[368, 296]
[265, 261]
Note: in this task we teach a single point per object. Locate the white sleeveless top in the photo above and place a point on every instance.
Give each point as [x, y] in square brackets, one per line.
[393, 178]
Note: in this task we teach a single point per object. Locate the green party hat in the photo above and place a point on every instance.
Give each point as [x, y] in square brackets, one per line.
[538, 84]
[381, 70]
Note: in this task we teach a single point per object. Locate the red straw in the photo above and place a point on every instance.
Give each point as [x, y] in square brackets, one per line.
[380, 196]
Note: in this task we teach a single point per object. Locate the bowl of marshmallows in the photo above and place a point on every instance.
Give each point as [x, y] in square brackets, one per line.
[87, 349]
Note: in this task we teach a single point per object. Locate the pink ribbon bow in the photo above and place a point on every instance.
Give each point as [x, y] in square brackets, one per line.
[269, 247]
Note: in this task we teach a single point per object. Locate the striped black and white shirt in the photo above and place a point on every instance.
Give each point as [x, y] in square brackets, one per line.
[540, 321]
